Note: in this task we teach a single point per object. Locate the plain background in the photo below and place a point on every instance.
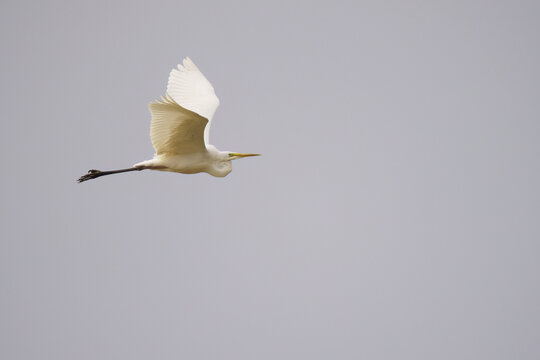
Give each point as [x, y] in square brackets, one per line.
[394, 213]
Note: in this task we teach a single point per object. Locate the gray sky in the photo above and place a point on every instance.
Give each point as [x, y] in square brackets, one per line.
[394, 213]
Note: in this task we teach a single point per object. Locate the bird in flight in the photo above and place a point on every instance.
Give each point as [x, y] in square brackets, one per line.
[180, 129]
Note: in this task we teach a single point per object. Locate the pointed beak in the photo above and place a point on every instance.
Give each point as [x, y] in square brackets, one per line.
[239, 155]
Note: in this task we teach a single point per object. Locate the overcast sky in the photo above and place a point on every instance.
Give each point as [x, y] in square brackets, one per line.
[394, 214]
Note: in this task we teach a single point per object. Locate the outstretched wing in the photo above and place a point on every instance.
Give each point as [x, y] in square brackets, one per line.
[174, 129]
[191, 90]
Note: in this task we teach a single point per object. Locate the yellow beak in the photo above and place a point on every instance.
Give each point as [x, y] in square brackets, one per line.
[243, 155]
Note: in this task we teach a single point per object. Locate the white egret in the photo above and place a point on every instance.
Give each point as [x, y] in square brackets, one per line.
[180, 129]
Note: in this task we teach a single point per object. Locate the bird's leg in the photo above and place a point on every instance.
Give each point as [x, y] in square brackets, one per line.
[92, 174]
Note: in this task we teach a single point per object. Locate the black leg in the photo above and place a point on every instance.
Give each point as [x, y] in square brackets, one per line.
[93, 174]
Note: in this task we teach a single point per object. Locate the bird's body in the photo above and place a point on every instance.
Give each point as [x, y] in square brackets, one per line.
[211, 161]
[180, 129]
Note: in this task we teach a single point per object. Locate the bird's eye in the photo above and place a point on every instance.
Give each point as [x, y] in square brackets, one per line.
[231, 155]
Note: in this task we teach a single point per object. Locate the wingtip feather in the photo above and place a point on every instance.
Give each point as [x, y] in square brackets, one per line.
[189, 64]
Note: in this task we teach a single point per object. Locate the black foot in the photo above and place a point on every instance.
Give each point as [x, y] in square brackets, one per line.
[92, 174]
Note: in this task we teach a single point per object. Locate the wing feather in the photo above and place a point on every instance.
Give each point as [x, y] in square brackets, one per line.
[175, 130]
[190, 89]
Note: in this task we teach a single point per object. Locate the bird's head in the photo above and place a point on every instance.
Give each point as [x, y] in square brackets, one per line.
[222, 166]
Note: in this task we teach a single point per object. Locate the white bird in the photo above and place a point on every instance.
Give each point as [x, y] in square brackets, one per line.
[180, 129]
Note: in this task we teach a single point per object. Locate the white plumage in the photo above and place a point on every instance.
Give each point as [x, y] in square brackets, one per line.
[190, 89]
[180, 128]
